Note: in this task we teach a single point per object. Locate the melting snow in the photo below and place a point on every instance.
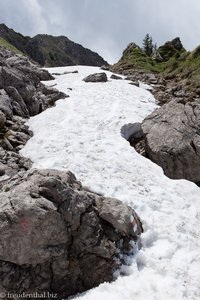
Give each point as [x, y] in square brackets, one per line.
[82, 134]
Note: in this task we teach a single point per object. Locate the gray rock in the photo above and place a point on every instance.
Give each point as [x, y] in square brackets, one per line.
[172, 139]
[18, 105]
[65, 73]
[5, 104]
[150, 78]
[133, 77]
[105, 67]
[97, 77]
[113, 76]
[2, 120]
[21, 95]
[135, 83]
[56, 236]
[72, 72]
[122, 217]
[13, 136]
[17, 138]
[21, 89]
[2, 169]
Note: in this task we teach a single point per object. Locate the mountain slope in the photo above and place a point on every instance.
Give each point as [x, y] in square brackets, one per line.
[60, 51]
[171, 61]
[50, 51]
[14, 38]
[7, 45]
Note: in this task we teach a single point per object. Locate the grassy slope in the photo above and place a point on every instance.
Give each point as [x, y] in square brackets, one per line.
[186, 68]
[139, 60]
[183, 65]
[10, 47]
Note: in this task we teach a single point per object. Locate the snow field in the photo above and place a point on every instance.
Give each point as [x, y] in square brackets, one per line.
[82, 134]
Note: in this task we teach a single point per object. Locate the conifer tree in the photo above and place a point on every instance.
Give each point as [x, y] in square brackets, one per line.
[148, 46]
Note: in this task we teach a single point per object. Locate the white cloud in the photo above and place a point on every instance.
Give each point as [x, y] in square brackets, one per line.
[106, 26]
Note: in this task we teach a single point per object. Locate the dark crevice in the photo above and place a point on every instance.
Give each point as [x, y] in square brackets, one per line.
[133, 133]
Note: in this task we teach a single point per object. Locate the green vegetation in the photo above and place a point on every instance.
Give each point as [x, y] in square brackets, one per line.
[9, 46]
[187, 68]
[171, 60]
[135, 58]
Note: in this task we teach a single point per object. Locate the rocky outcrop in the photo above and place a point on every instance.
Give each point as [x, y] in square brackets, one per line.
[172, 139]
[21, 92]
[171, 70]
[51, 51]
[57, 237]
[97, 77]
[133, 59]
[13, 137]
[169, 49]
[21, 95]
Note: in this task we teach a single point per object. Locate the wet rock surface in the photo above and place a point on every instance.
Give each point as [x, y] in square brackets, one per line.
[58, 237]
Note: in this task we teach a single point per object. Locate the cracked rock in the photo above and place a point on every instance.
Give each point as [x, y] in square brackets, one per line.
[58, 237]
[172, 139]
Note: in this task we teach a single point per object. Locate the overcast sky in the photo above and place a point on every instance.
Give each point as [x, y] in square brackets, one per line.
[106, 26]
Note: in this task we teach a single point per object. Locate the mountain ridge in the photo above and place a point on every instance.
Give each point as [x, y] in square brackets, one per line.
[51, 51]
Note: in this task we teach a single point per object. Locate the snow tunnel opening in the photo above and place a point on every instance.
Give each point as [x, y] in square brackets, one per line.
[133, 133]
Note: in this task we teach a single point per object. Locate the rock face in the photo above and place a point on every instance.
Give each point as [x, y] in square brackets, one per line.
[57, 237]
[21, 95]
[21, 92]
[51, 51]
[97, 77]
[172, 139]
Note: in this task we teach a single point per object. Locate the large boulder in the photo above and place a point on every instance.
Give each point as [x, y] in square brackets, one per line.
[97, 77]
[57, 237]
[172, 139]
